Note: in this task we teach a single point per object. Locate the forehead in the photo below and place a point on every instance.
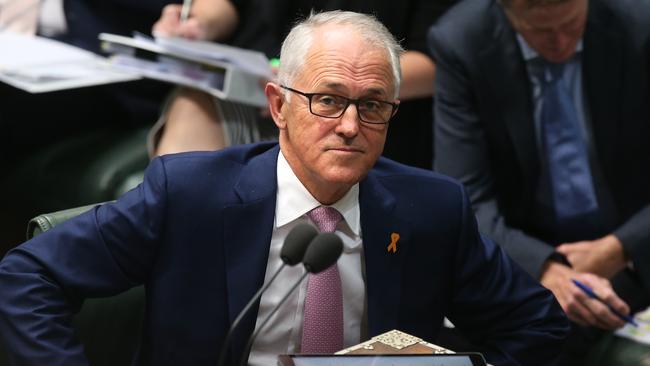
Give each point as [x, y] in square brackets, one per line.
[340, 57]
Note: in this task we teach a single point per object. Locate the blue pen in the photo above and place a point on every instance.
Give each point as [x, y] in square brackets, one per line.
[587, 290]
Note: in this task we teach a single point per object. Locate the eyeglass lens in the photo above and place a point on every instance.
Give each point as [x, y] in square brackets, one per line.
[328, 105]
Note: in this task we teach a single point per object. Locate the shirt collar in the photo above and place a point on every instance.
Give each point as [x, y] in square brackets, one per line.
[294, 200]
[529, 53]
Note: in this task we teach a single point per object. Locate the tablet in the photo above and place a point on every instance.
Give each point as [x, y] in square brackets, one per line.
[449, 359]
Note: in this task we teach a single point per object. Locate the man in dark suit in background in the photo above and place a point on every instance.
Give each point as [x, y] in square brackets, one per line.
[202, 230]
[542, 111]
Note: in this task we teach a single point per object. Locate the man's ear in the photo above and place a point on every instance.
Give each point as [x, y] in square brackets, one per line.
[275, 97]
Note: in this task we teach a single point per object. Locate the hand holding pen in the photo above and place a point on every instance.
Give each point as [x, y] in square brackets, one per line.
[577, 304]
[589, 292]
[177, 21]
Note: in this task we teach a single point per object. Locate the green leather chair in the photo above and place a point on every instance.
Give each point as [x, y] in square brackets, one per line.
[96, 166]
[109, 328]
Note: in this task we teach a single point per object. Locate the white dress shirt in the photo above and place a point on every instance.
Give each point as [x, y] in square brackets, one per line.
[283, 332]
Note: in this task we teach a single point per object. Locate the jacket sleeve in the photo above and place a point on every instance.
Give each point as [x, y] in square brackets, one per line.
[100, 253]
[635, 237]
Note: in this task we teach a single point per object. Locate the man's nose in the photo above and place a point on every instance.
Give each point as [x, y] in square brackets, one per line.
[349, 121]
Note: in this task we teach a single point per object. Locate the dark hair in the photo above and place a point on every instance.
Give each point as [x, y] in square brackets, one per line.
[531, 3]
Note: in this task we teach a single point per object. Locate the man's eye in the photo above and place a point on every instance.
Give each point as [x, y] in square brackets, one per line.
[326, 100]
[370, 105]
[330, 101]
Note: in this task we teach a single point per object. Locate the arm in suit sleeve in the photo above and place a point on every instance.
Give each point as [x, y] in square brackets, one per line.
[634, 233]
[635, 237]
[499, 306]
[99, 253]
[461, 151]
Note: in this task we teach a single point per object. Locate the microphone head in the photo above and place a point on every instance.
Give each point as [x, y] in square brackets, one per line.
[322, 252]
[296, 243]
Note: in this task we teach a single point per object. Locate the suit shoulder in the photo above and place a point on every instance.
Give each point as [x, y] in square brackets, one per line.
[632, 15]
[193, 172]
[389, 171]
[462, 24]
[236, 155]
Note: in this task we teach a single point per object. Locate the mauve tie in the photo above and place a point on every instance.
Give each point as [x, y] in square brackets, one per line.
[322, 330]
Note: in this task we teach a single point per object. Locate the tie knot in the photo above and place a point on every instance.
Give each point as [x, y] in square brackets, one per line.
[325, 217]
[551, 71]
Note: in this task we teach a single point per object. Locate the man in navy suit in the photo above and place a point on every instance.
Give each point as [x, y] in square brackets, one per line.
[203, 232]
[495, 133]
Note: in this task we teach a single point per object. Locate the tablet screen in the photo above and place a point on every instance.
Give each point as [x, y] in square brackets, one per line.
[384, 360]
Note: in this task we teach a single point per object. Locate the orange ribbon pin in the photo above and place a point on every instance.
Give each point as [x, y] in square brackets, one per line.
[394, 237]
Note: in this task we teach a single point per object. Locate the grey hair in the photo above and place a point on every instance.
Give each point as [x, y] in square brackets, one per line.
[299, 41]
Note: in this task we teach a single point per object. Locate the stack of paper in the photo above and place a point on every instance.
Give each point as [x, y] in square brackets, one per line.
[38, 65]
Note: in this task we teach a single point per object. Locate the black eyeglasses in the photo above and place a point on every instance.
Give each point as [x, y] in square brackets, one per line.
[333, 106]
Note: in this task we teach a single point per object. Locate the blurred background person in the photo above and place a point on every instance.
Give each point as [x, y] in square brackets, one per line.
[542, 110]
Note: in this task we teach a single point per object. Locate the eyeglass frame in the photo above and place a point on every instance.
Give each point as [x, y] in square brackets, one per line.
[348, 101]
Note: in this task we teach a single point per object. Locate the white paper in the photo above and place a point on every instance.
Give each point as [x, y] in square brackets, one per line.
[640, 334]
[38, 64]
[20, 51]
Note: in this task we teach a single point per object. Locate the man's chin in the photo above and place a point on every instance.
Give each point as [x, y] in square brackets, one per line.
[344, 176]
[557, 57]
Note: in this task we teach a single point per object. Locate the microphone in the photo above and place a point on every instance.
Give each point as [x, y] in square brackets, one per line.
[292, 252]
[323, 251]
[296, 244]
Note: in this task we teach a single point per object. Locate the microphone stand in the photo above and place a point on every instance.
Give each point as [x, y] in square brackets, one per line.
[247, 349]
[235, 323]
[292, 252]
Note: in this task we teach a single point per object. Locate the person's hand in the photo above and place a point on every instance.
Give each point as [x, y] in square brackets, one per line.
[578, 306]
[604, 257]
[170, 25]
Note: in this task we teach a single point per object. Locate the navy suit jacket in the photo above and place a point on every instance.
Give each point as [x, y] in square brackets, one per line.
[485, 135]
[196, 232]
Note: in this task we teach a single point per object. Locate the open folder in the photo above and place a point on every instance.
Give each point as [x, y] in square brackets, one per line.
[228, 73]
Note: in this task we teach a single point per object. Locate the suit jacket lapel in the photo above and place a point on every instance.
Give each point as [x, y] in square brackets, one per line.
[501, 63]
[383, 267]
[248, 227]
[603, 60]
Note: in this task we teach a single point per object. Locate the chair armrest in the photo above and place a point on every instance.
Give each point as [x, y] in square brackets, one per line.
[45, 222]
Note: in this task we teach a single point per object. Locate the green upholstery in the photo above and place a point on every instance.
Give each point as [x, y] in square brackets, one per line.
[45, 222]
[109, 328]
[612, 350]
[80, 170]
[95, 166]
